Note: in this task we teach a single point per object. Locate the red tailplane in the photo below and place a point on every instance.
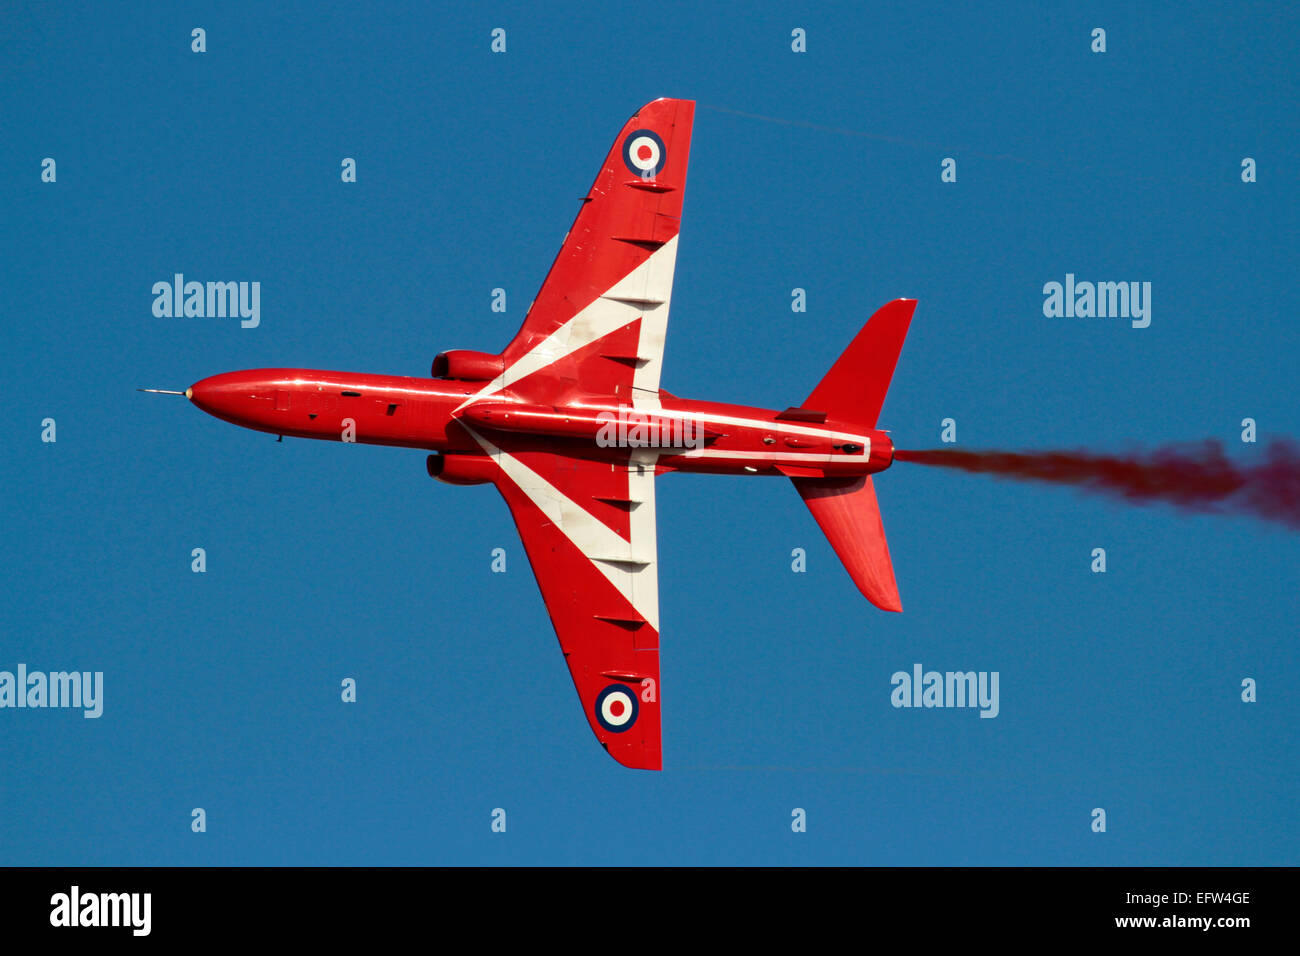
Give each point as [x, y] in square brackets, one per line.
[846, 510]
[854, 389]
[850, 519]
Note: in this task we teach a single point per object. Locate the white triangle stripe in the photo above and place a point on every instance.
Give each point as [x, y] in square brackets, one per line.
[652, 279]
[633, 572]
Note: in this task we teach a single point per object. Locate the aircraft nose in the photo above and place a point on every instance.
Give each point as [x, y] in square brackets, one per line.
[226, 396]
[204, 393]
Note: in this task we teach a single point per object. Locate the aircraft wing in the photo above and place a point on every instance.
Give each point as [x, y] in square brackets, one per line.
[599, 320]
[589, 530]
[597, 327]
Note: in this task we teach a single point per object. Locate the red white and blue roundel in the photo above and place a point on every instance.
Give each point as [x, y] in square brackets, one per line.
[644, 153]
[616, 708]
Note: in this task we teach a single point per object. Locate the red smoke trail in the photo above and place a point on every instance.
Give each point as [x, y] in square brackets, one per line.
[1194, 477]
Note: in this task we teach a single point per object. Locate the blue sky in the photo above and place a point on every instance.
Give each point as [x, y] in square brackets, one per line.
[1117, 690]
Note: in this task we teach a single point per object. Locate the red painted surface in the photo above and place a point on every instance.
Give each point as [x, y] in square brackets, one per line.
[570, 425]
[422, 413]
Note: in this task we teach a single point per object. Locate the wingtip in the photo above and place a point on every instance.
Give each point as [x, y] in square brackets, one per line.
[642, 760]
[890, 602]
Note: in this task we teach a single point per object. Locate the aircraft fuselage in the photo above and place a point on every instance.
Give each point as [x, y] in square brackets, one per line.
[444, 415]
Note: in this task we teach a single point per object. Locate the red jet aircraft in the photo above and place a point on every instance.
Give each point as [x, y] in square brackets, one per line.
[570, 424]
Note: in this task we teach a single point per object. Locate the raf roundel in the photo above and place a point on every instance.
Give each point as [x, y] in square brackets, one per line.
[644, 153]
[616, 708]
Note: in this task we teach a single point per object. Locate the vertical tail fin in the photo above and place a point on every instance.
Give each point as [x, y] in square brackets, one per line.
[847, 512]
[853, 391]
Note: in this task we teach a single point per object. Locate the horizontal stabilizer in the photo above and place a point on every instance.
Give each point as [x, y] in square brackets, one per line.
[854, 389]
[847, 512]
[800, 471]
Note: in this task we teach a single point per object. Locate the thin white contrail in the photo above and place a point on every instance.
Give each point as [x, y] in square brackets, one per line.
[949, 149]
